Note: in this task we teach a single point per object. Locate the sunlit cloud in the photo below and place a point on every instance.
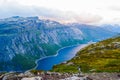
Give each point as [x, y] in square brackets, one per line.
[80, 11]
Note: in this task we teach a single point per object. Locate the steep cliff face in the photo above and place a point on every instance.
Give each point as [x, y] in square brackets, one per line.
[23, 40]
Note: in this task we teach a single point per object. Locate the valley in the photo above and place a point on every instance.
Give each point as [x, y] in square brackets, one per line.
[23, 40]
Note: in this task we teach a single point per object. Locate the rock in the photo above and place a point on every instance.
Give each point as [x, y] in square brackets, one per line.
[75, 78]
[32, 78]
[70, 63]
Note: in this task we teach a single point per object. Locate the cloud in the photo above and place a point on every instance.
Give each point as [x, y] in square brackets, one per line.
[87, 11]
[70, 17]
[12, 8]
[114, 8]
[87, 18]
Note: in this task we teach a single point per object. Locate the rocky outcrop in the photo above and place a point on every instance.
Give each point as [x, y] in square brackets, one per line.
[60, 76]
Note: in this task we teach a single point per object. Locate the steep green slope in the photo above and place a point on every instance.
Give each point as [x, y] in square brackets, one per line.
[103, 56]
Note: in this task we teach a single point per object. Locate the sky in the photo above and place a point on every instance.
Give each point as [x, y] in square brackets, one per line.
[64, 11]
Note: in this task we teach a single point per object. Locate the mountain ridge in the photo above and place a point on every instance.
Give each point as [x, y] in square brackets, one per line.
[23, 40]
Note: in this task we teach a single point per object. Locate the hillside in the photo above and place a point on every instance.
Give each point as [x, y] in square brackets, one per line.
[103, 56]
[23, 40]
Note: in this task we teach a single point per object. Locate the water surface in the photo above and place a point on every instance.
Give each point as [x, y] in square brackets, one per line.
[63, 55]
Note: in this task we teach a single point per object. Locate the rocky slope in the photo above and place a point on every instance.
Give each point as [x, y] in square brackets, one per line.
[39, 75]
[103, 56]
[23, 40]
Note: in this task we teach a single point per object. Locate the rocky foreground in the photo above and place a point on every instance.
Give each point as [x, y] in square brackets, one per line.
[58, 76]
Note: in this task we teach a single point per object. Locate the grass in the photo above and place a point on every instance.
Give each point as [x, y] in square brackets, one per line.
[103, 56]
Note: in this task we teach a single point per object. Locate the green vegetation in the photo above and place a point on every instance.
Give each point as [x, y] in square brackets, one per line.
[27, 62]
[51, 48]
[103, 56]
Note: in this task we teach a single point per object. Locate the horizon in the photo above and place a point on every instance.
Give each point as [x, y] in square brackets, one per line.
[73, 11]
[112, 24]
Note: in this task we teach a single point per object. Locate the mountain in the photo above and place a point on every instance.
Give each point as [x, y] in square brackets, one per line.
[113, 28]
[103, 56]
[23, 40]
[95, 33]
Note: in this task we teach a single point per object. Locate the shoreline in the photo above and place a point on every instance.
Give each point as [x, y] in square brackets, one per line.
[51, 55]
[57, 52]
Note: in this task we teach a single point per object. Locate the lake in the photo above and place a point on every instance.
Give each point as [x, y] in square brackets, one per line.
[62, 55]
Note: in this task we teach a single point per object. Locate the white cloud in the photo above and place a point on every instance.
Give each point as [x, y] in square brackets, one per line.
[83, 11]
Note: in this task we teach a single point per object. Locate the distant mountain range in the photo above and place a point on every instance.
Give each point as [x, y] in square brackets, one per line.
[103, 56]
[112, 28]
[23, 40]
